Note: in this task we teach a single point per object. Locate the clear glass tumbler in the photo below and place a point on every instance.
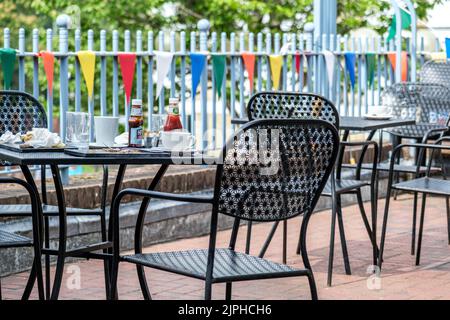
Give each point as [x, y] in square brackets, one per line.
[78, 126]
[155, 128]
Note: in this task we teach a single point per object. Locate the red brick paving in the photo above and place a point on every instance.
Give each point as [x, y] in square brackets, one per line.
[401, 279]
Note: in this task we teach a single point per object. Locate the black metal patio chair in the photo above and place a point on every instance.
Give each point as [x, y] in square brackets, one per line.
[422, 102]
[426, 185]
[289, 105]
[272, 170]
[12, 240]
[435, 72]
[20, 112]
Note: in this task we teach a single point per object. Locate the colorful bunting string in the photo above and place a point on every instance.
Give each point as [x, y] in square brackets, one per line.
[87, 64]
[127, 63]
[330, 60]
[392, 56]
[8, 57]
[198, 62]
[249, 63]
[163, 62]
[276, 62]
[48, 59]
[447, 47]
[370, 59]
[350, 62]
[218, 62]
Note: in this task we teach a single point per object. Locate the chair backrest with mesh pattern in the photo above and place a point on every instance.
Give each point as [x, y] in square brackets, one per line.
[291, 105]
[424, 102]
[435, 72]
[20, 112]
[276, 169]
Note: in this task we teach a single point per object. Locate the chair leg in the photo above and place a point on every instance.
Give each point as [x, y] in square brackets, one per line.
[331, 253]
[414, 225]
[365, 220]
[113, 295]
[208, 289]
[268, 240]
[447, 205]
[384, 227]
[343, 240]
[312, 285]
[284, 241]
[228, 290]
[47, 257]
[249, 237]
[422, 218]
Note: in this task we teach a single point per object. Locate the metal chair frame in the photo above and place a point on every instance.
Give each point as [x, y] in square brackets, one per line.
[247, 211]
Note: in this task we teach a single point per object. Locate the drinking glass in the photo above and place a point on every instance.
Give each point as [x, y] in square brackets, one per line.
[155, 128]
[78, 125]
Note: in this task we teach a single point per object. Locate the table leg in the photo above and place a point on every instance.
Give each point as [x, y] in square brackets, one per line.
[62, 241]
[140, 225]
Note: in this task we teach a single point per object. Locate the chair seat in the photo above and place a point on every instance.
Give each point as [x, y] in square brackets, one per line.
[228, 265]
[403, 168]
[425, 185]
[25, 210]
[416, 131]
[344, 185]
[9, 240]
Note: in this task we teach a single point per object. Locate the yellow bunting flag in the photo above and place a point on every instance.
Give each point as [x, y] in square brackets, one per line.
[87, 63]
[436, 56]
[276, 61]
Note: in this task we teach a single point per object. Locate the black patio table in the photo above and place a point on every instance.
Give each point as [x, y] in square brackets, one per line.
[55, 159]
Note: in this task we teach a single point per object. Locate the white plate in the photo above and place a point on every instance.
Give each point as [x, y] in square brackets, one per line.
[377, 116]
[99, 145]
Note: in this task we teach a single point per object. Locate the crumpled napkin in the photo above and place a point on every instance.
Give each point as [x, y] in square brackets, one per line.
[42, 138]
[9, 137]
[121, 139]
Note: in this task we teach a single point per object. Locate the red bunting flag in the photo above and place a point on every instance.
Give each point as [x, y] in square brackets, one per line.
[127, 63]
[297, 62]
[392, 56]
[48, 59]
[249, 63]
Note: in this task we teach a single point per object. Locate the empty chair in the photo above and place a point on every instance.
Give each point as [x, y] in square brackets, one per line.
[272, 170]
[12, 240]
[289, 105]
[426, 185]
[435, 72]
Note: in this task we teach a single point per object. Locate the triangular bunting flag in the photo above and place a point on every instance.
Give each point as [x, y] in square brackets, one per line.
[8, 57]
[197, 63]
[276, 61]
[370, 67]
[219, 63]
[406, 23]
[249, 63]
[447, 47]
[330, 60]
[87, 64]
[297, 62]
[127, 63]
[392, 56]
[163, 62]
[350, 62]
[48, 59]
[436, 56]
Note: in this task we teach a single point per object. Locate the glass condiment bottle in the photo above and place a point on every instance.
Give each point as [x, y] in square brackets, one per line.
[173, 121]
[135, 124]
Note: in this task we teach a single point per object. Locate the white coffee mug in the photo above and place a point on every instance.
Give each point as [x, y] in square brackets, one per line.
[106, 130]
[177, 140]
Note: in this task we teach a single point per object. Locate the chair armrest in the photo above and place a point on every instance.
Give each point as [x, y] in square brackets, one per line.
[166, 195]
[431, 131]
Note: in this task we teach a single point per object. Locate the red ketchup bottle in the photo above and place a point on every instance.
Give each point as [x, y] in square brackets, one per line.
[173, 121]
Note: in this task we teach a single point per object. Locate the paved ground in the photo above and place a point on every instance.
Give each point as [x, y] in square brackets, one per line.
[401, 279]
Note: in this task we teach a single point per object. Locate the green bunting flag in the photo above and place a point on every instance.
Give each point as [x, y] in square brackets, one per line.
[370, 67]
[219, 62]
[8, 57]
[406, 23]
